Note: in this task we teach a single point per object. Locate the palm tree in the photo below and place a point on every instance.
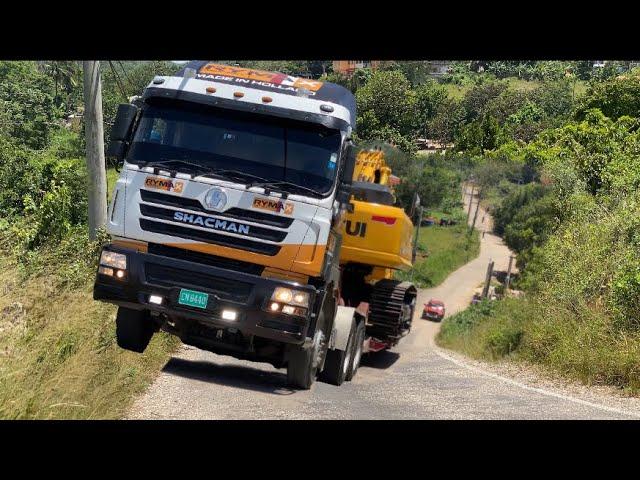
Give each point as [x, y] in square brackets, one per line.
[65, 74]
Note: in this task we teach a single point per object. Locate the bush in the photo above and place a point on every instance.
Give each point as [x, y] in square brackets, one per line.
[615, 97]
[26, 95]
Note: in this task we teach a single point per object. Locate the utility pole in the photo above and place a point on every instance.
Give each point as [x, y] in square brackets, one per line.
[475, 216]
[485, 290]
[508, 280]
[470, 203]
[94, 135]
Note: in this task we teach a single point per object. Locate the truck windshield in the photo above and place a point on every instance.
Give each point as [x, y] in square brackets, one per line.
[276, 150]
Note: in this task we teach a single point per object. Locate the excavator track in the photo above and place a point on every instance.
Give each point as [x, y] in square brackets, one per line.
[391, 308]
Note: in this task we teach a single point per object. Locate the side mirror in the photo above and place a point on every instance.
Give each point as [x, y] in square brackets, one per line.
[349, 163]
[344, 191]
[121, 131]
[116, 149]
[124, 121]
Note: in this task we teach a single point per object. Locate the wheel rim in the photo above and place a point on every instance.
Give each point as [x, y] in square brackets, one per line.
[358, 354]
[347, 358]
[317, 357]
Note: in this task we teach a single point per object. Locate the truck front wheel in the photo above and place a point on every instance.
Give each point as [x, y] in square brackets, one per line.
[357, 351]
[301, 373]
[302, 366]
[134, 329]
[338, 362]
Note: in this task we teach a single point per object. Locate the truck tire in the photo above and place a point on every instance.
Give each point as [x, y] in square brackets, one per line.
[338, 362]
[302, 366]
[134, 329]
[300, 370]
[356, 356]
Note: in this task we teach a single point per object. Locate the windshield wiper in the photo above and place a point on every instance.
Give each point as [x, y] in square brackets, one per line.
[166, 161]
[199, 170]
[286, 184]
[234, 174]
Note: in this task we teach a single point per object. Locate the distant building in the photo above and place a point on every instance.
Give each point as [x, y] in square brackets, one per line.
[426, 145]
[347, 67]
[438, 68]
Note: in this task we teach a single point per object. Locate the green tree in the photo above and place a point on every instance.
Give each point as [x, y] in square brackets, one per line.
[584, 69]
[26, 95]
[387, 95]
[67, 79]
[428, 98]
[614, 97]
[447, 121]
[476, 100]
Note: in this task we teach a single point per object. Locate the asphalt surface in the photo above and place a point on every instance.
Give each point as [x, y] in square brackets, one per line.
[416, 380]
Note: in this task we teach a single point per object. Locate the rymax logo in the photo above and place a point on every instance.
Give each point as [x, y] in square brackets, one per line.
[212, 223]
[273, 205]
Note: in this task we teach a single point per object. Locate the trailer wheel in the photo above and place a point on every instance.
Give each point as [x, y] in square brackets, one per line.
[338, 362]
[357, 351]
[134, 329]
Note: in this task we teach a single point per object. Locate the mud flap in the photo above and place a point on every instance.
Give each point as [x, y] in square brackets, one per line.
[343, 322]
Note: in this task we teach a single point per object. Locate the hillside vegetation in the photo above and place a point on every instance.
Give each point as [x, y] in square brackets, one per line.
[575, 228]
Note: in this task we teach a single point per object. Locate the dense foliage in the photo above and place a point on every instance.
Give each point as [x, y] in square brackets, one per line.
[576, 232]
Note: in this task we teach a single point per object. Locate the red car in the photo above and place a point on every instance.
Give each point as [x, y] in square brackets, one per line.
[434, 310]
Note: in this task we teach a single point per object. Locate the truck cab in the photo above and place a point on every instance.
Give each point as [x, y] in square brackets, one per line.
[225, 219]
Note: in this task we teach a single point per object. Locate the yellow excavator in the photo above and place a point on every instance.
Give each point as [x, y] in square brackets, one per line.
[378, 237]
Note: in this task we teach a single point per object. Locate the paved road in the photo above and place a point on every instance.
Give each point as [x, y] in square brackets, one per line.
[414, 381]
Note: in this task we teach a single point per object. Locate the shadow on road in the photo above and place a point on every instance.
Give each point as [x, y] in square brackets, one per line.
[381, 360]
[230, 375]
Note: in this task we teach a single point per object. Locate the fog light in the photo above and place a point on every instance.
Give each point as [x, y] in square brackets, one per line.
[301, 298]
[229, 315]
[275, 306]
[157, 299]
[120, 273]
[106, 271]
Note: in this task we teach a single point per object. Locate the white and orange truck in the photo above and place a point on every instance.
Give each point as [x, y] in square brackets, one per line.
[228, 218]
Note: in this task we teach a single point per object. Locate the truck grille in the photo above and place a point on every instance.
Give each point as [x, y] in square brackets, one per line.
[254, 232]
[235, 213]
[254, 237]
[208, 237]
[229, 290]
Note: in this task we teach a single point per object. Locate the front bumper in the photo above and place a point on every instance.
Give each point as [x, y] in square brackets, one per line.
[245, 293]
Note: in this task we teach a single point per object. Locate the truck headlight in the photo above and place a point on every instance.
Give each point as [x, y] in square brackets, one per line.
[291, 297]
[113, 259]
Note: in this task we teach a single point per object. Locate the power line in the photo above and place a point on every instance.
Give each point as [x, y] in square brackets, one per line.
[124, 95]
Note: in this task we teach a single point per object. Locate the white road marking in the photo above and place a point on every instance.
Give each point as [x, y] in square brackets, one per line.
[542, 391]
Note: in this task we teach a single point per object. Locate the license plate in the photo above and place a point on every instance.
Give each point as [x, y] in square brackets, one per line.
[192, 298]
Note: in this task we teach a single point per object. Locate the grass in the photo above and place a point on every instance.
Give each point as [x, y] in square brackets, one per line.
[442, 250]
[457, 92]
[112, 177]
[522, 85]
[488, 330]
[58, 355]
[580, 343]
